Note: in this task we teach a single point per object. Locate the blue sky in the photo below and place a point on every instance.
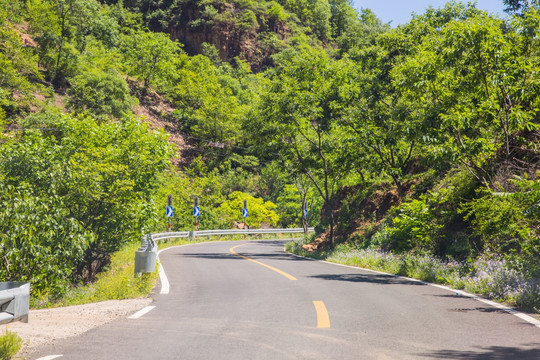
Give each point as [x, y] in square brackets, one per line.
[399, 11]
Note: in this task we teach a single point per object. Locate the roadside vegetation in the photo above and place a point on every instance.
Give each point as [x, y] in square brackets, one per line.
[10, 344]
[417, 143]
[493, 277]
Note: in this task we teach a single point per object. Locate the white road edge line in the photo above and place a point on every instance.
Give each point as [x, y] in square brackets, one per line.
[50, 357]
[165, 286]
[142, 312]
[505, 308]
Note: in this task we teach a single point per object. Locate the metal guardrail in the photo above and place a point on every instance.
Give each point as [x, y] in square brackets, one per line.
[146, 255]
[219, 232]
[170, 235]
[14, 301]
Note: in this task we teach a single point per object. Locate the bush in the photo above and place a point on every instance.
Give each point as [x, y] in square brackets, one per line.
[414, 226]
[499, 222]
[70, 200]
[496, 278]
[10, 344]
[259, 210]
[102, 94]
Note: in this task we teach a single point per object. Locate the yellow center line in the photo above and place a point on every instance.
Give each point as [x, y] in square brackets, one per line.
[290, 277]
[323, 320]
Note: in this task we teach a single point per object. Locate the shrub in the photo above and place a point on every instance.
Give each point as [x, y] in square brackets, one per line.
[496, 278]
[10, 344]
[70, 200]
[259, 210]
[499, 222]
[100, 93]
[414, 226]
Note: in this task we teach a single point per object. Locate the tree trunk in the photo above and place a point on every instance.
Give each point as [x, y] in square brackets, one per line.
[399, 185]
[332, 227]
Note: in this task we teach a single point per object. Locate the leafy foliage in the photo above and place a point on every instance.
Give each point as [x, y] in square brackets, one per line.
[148, 56]
[100, 94]
[196, 181]
[10, 344]
[299, 118]
[71, 199]
[260, 211]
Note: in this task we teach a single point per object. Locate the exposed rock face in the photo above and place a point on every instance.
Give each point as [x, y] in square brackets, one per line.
[234, 31]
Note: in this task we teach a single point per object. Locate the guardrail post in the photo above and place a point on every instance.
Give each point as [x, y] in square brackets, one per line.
[14, 301]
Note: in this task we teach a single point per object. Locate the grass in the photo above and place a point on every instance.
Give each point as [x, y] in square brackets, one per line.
[10, 344]
[119, 282]
[494, 278]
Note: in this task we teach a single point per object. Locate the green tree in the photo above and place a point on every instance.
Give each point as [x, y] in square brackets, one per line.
[148, 56]
[520, 7]
[99, 175]
[18, 65]
[100, 93]
[40, 241]
[384, 122]
[207, 104]
[260, 211]
[299, 119]
[62, 28]
[475, 82]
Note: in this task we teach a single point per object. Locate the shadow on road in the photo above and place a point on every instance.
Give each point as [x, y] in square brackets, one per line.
[481, 309]
[380, 279]
[255, 256]
[527, 352]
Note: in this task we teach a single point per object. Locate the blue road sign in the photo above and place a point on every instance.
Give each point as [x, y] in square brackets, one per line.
[306, 213]
[245, 213]
[170, 211]
[196, 211]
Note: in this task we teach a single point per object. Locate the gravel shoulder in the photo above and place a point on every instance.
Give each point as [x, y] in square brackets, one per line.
[47, 326]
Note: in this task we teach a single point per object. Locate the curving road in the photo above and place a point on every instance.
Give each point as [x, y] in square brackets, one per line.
[250, 300]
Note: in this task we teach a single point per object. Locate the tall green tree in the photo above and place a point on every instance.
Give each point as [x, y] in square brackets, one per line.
[299, 118]
[476, 82]
[385, 123]
[62, 29]
[149, 56]
[97, 176]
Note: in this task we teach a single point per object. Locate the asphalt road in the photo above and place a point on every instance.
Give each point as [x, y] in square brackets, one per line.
[250, 300]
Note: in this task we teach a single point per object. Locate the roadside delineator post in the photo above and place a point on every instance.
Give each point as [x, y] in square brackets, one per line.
[169, 211]
[196, 212]
[245, 214]
[305, 213]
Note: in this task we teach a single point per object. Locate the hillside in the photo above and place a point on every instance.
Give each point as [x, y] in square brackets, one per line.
[253, 31]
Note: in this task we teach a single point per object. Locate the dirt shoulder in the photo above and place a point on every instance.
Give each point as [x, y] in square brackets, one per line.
[47, 326]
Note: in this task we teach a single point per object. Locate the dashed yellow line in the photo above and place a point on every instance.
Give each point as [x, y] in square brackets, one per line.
[323, 320]
[288, 276]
